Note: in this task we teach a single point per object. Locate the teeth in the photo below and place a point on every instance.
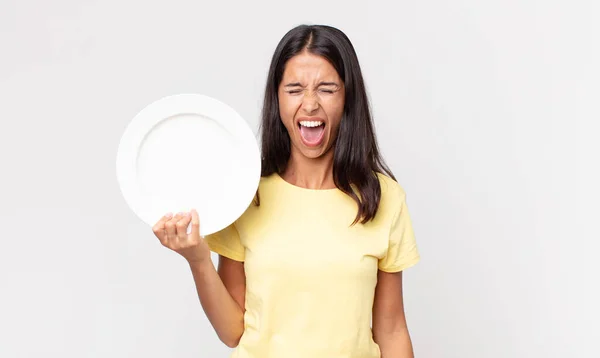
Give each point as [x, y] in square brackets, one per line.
[310, 123]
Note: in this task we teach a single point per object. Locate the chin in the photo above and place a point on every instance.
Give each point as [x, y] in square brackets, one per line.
[313, 153]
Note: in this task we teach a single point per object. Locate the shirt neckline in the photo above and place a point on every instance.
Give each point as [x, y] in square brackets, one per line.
[301, 189]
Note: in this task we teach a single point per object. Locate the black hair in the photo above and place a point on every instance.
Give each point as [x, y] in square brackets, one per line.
[357, 158]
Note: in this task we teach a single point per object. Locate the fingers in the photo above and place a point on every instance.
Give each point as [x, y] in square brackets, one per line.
[195, 224]
[159, 227]
[172, 231]
[171, 228]
[182, 226]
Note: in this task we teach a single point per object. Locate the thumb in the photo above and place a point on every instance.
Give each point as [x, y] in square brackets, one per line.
[195, 223]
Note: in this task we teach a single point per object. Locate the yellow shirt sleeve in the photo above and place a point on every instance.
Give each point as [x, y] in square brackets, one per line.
[227, 243]
[402, 250]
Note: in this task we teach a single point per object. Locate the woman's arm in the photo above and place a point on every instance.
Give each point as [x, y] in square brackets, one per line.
[221, 294]
[222, 297]
[390, 331]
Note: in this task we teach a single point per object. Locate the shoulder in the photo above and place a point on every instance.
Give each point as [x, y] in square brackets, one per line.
[392, 198]
[267, 181]
[391, 190]
[266, 191]
[267, 186]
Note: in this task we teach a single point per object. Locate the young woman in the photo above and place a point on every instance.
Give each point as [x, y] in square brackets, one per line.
[313, 268]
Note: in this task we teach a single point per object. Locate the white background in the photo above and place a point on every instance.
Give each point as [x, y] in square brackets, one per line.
[486, 111]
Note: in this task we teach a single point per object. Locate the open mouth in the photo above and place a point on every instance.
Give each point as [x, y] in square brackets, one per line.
[311, 132]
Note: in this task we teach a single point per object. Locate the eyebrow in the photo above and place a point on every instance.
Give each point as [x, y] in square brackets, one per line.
[297, 84]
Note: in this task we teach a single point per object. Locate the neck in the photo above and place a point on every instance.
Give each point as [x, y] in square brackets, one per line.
[310, 173]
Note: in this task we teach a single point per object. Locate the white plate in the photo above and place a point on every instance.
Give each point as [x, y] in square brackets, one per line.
[189, 151]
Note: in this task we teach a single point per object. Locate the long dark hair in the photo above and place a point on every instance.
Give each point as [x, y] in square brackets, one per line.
[356, 154]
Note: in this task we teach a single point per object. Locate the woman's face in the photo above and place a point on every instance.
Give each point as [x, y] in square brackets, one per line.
[311, 104]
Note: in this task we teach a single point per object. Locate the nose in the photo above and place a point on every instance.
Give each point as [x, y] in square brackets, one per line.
[310, 103]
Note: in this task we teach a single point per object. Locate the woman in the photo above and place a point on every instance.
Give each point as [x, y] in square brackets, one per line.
[321, 251]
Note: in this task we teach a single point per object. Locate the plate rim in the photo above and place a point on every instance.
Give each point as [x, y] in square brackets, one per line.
[155, 112]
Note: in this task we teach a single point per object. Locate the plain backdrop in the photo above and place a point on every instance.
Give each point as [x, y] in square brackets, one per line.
[485, 110]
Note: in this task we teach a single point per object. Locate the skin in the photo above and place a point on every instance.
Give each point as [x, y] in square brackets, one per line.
[221, 293]
[310, 88]
[390, 331]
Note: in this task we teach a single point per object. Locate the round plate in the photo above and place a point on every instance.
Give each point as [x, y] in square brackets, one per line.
[189, 151]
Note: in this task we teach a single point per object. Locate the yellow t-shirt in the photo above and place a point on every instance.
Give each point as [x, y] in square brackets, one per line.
[310, 276]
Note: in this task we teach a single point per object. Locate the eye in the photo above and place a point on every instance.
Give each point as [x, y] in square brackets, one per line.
[294, 91]
[326, 91]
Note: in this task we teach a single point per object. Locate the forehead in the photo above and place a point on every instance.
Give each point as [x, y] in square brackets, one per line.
[309, 67]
